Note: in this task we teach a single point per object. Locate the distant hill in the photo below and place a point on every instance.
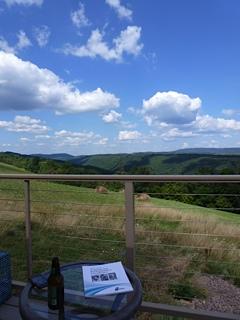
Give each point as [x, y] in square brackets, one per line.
[177, 162]
[210, 151]
[37, 164]
[55, 156]
[158, 163]
[144, 163]
[81, 159]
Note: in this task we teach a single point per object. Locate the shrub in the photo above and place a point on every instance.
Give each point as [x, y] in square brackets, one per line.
[185, 290]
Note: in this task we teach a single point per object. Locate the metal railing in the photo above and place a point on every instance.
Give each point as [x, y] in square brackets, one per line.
[130, 224]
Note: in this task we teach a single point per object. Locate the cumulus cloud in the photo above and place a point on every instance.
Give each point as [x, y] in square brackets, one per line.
[102, 141]
[24, 139]
[121, 11]
[129, 135]
[65, 133]
[25, 86]
[23, 40]
[79, 18]
[43, 136]
[176, 115]
[24, 124]
[24, 2]
[6, 145]
[231, 112]
[128, 125]
[126, 43]
[4, 46]
[42, 35]
[112, 117]
[207, 123]
[71, 138]
[174, 133]
[171, 107]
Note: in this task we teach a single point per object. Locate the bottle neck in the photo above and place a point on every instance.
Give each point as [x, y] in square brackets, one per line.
[55, 270]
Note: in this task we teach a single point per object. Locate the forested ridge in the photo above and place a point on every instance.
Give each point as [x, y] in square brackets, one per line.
[224, 196]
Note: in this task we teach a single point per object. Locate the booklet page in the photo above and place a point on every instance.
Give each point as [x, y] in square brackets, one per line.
[105, 279]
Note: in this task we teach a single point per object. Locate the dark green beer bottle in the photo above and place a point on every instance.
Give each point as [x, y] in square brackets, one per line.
[55, 287]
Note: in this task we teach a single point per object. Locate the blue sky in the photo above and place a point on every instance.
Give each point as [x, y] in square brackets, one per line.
[110, 76]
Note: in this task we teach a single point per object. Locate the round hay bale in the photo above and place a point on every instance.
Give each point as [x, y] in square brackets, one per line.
[143, 197]
[101, 189]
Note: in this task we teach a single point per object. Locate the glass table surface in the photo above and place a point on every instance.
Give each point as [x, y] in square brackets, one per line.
[34, 304]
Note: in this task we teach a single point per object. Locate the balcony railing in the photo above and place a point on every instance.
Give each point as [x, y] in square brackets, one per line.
[139, 245]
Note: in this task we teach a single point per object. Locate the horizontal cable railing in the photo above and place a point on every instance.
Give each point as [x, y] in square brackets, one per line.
[172, 245]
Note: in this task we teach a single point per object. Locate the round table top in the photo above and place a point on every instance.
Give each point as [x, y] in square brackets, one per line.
[33, 300]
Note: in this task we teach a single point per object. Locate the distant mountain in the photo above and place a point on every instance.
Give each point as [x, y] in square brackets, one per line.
[119, 157]
[55, 156]
[186, 161]
[221, 151]
[45, 164]
[162, 163]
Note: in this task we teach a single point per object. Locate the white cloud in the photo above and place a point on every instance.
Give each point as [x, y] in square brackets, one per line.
[24, 2]
[127, 42]
[25, 86]
[231, 112]
[43, 136]
[178, 115]
[65, 133]
[4, 124]
[171, 107]
[24, 124]
[132, 110]
[228, 112]
[102, 141]
[203, 125]
[176, 133]
[79, 18]
[24, 139]
[128, 125]
[6, 145]
[42, 35]
[5, 46]
[71, 138]
[122, 11]
[185, 145]
[112, 117]
[210, 124]
[23, 41]
[226, 135]
[129, 135]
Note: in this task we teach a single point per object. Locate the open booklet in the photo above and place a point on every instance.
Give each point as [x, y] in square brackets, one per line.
[104, 279]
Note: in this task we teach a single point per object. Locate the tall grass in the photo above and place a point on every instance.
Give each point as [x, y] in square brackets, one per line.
[175, 242]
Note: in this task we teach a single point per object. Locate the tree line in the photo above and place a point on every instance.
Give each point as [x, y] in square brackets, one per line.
[221, 196]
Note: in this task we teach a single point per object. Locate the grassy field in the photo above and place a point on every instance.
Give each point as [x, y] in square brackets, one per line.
[175, 242]
[7, 168]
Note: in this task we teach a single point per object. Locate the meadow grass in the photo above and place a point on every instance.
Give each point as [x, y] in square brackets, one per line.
[175, 242]
[7, 168]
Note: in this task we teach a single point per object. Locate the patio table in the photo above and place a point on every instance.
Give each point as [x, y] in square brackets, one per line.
[33, 301]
